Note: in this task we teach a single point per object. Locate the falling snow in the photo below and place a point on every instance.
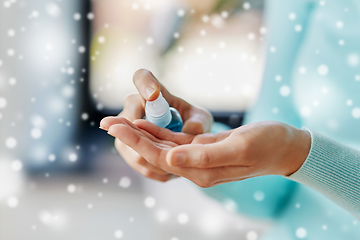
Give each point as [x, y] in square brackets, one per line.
[183, 218]
[259, 196]
[3, 102]
[149, 202]
[71, 188]
[82, 49]
[52, 157]
[13, 202]
[355, 112]
[101, 39]
[77, 16]
[118, 234]
[285, 91]
[11, 142]
[251, 235]
[323, 70]
[292, 16]
[73, 157]
[36, 133]
[16, 165]
[125, 182]
[301, 233]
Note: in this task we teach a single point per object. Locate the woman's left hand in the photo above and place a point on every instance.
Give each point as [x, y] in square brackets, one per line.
[256, 149]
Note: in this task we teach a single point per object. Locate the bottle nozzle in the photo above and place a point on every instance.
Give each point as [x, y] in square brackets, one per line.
[158, 111]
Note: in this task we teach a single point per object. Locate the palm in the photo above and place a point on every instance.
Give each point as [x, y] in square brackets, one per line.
[153, 143]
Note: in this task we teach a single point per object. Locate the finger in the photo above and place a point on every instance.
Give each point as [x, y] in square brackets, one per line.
[163, 133]
[211, 137]
[230, 180]
[106, 122]
[147, 85]
[149, 88]
[222, 153]
[121, 120]
[211, 176]
[198, 121]
[134, 159]
[134, 107]
[140, 143]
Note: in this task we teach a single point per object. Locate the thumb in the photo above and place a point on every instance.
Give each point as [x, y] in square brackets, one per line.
[147, 85]
[209, 155]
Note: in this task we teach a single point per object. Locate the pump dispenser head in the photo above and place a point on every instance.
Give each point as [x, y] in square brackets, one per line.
[158, 111]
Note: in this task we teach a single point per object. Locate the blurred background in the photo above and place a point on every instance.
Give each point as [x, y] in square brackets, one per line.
[65, 64]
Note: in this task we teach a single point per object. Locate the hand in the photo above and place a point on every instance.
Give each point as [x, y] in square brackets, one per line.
[196, 120]
[262, 148]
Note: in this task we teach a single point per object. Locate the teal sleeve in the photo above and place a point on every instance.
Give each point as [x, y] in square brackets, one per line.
[332, 169]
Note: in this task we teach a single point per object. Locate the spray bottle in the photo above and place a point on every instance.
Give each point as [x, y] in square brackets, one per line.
[159, 113]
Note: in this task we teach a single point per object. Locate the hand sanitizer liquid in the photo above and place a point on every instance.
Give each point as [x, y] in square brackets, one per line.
[159, 113]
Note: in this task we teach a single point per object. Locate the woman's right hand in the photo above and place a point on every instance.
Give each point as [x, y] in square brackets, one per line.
[196, 120]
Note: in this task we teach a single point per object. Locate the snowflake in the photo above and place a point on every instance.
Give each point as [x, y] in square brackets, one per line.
[292, 16]
[73, 157]
[36, 133]
[77, 16]
[3, 102]
[285, 91]
[12, 202]
[101, 39]
[181, 12]
[246, 5]
[11, 32]
[53, 10]
[323, 70]
[10, 52]
[353, 59]
[339, 24]
[52, 157]
[149, 202]
[125, 182]
[12, 81]
[224, 14]
[16, 165]
[183, 218]
[300, 233]
[118, 234]
[355, 112]
[149, 41]
[298, 28]
[11, 142]
[259, 196]
[71, 188]
[90, 16]
[305, 111]
[162, 215]
[251, 235]
[135, 6]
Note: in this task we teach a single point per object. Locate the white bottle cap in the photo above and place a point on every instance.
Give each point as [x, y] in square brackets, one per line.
[158, 111]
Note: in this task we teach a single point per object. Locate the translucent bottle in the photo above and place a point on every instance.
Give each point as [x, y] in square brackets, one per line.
[159, 113]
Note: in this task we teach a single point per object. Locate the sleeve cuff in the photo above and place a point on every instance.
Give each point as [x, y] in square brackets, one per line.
[333, 169]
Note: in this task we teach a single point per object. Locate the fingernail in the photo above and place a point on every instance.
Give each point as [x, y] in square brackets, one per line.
[110, 133]
[178, 159]
[149, 91]
[102, 128]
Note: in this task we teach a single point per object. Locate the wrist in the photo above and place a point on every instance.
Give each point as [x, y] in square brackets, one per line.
[299, 151]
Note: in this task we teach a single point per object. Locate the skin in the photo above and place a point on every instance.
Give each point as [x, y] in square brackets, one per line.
[256, 149]
[196, 121]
